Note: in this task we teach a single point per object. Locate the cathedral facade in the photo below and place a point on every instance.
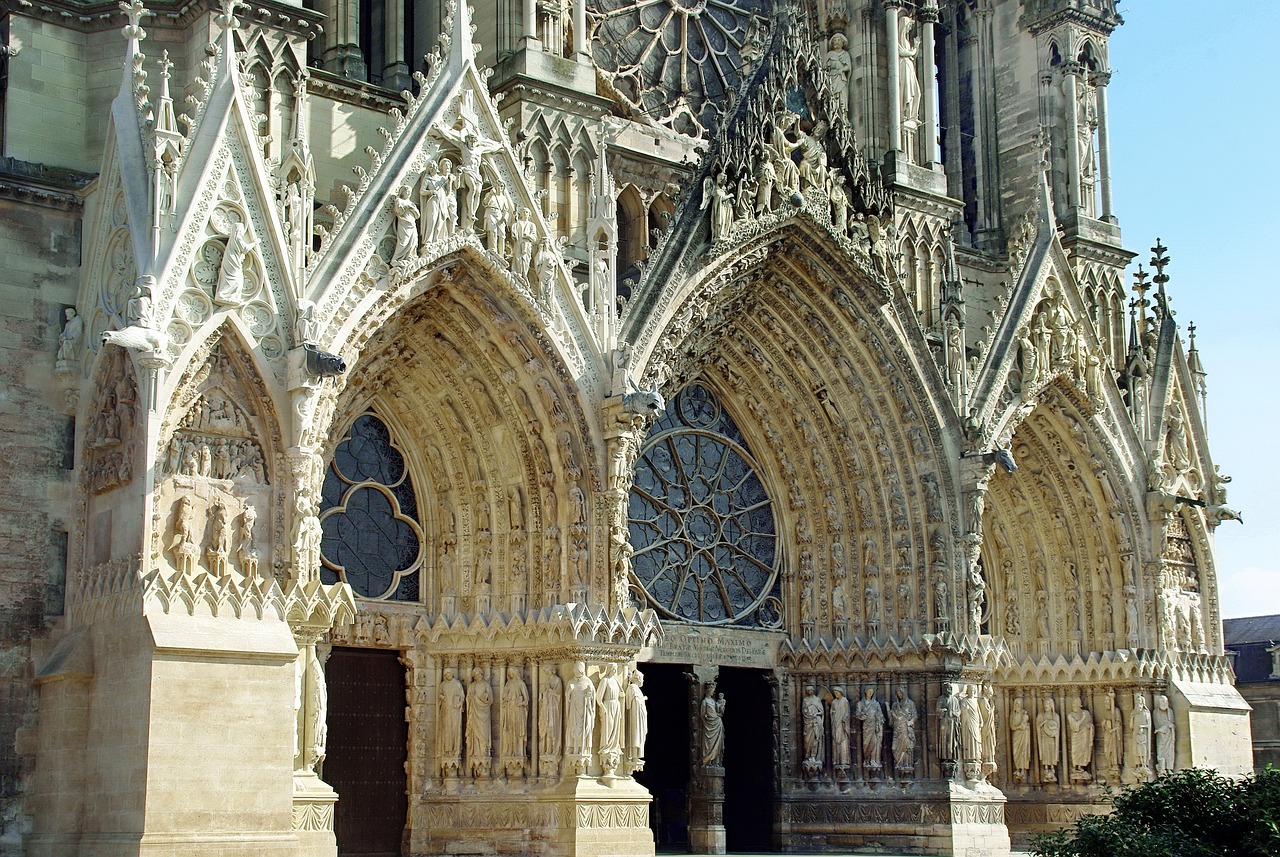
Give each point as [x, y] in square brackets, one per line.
[588, 426]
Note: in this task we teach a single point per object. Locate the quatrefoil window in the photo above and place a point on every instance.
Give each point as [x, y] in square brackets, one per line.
[371, 537]
[701, 522]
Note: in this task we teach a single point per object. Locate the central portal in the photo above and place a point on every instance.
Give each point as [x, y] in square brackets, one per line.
[673, 763]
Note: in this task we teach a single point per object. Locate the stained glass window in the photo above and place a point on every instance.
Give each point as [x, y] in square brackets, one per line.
[701, 522]
[368, 516]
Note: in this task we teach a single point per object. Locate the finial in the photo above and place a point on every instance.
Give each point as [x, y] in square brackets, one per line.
[135, 12]
[165, 65]
[1140, 283]
[226, 18]
[1159, 260]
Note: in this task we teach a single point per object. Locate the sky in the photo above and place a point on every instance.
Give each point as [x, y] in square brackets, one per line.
[1195, 134]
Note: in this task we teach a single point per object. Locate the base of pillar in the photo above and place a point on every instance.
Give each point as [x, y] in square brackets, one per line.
[313, 802]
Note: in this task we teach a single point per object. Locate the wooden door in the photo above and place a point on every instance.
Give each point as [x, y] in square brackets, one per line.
[366, 751]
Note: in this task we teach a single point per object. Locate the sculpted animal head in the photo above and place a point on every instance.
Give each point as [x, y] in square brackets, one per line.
[645, 403]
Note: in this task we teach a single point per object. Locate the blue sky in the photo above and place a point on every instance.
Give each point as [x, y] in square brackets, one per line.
[1195, 134]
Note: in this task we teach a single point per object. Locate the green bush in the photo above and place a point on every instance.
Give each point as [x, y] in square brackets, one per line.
[1191, 813]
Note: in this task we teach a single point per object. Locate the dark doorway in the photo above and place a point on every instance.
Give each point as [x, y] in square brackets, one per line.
[749, 770]
[367, 749]
[666, 755]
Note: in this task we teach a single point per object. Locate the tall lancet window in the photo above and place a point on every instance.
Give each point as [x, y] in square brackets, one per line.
[702, 524]
[369, 516]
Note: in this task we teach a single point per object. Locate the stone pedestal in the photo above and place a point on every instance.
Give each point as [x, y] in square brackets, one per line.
[313, 803]
[977, 821]
[706, 811]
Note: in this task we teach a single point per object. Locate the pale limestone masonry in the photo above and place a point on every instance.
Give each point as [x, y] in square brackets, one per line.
[569, 445]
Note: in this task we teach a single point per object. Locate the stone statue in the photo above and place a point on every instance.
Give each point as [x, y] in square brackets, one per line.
[1140, 730]
[438, 203]
[637, 721]
[479, 724]
[949, 724]
[248, 554]
[544, 265]
[1020, 739]
[471, 152]
[580, 717]
[219, 537]
[69, 338]
[987, 703]
[550, 714]
[840, 755]
[1112, 734]
[498, 209]
[1049, 741]
[523, 235]
[609, 701]
[406, 215]
[838, 65]
[711, 716]
[811, 714]
[903, 718]
[514, 737]
[230, 289]
[715, 193]
[1080, 728]
[1165, 735]
[871, 716]
[449, 728]
[971, 732]
[908, 80]
[184, 547]
[317, 708]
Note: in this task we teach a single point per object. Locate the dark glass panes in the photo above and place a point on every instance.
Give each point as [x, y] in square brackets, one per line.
[368, 516]
[701, 523]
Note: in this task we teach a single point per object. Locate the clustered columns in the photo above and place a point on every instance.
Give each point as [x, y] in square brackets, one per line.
[912, 84]
[551, 39]
[395, 71]
[1086, 100]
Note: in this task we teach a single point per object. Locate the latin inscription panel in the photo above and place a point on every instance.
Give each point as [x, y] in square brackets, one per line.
[726, 647]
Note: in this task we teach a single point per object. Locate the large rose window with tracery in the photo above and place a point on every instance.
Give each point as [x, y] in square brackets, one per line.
[672, 59]
[702, 525]
[368, 516]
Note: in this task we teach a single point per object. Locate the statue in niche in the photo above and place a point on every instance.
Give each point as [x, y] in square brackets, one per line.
[908, 88]
[812, 716]
[580, 718]
[1020, 740]
[471, 152]
[637, 731]
[550, 714]
[1081, 729]
[498, 210]
[872, 597]
[711, 718]
[230, 290]
[971, 733]
[870, 714]
[439, 205]
[579, 501]
[248, 553]
[1049, 741]
[838, 65]
[1112, 730]
[715, 193]
[184, 546]
[987, 703]
[523, 236]
[609, 701]
[449, 734]
[406, 230]
[219, 537]
[840, 728]
[515, 507]
[838, 198]
[1140, 731]
[766, 180]
[621, 551]
[1165, 735]
[949, 724]
[942, 611]
[544, 268]
[514, 737]
[1086, 123]
[479, 724]
[902, 716]
[70, 337]
[482, 512]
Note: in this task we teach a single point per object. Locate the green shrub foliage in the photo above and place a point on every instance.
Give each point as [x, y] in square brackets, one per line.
[1191, 813]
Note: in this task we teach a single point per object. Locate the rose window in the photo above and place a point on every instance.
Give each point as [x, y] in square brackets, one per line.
[672, 59]
[368, 516]
[701, 523]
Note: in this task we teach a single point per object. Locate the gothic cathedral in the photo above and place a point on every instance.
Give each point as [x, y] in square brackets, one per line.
[586, 427]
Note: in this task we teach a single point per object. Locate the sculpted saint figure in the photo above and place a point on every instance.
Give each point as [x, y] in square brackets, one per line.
[711, 715]
[903, 718]
[69, 338]
[1165, 734]
[970, 728]
[987, 703]
[872, 717]
[471, 152]
[550, 713]
[479, 723]
[609, 700]
[231, 273]
[811, 714]
[514, 739]
[406, 214]
[580, 714]
[949, 717]
[839, 728]
[523, 233]
[449, 736]
[1112, 734]
[1020, 739]
[497, 216]
[838, 64]
[1049, 741]
[908, 80]
[1140, 728]
[1080, 727]
[637, 721]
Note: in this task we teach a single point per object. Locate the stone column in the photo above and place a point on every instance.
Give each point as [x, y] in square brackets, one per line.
[706, 783]
[395, 71]
[1100, 80]
[895, 94]
[1071, 93]
[531, 25]
[929, 83]
[580, 31]
[342, 53]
